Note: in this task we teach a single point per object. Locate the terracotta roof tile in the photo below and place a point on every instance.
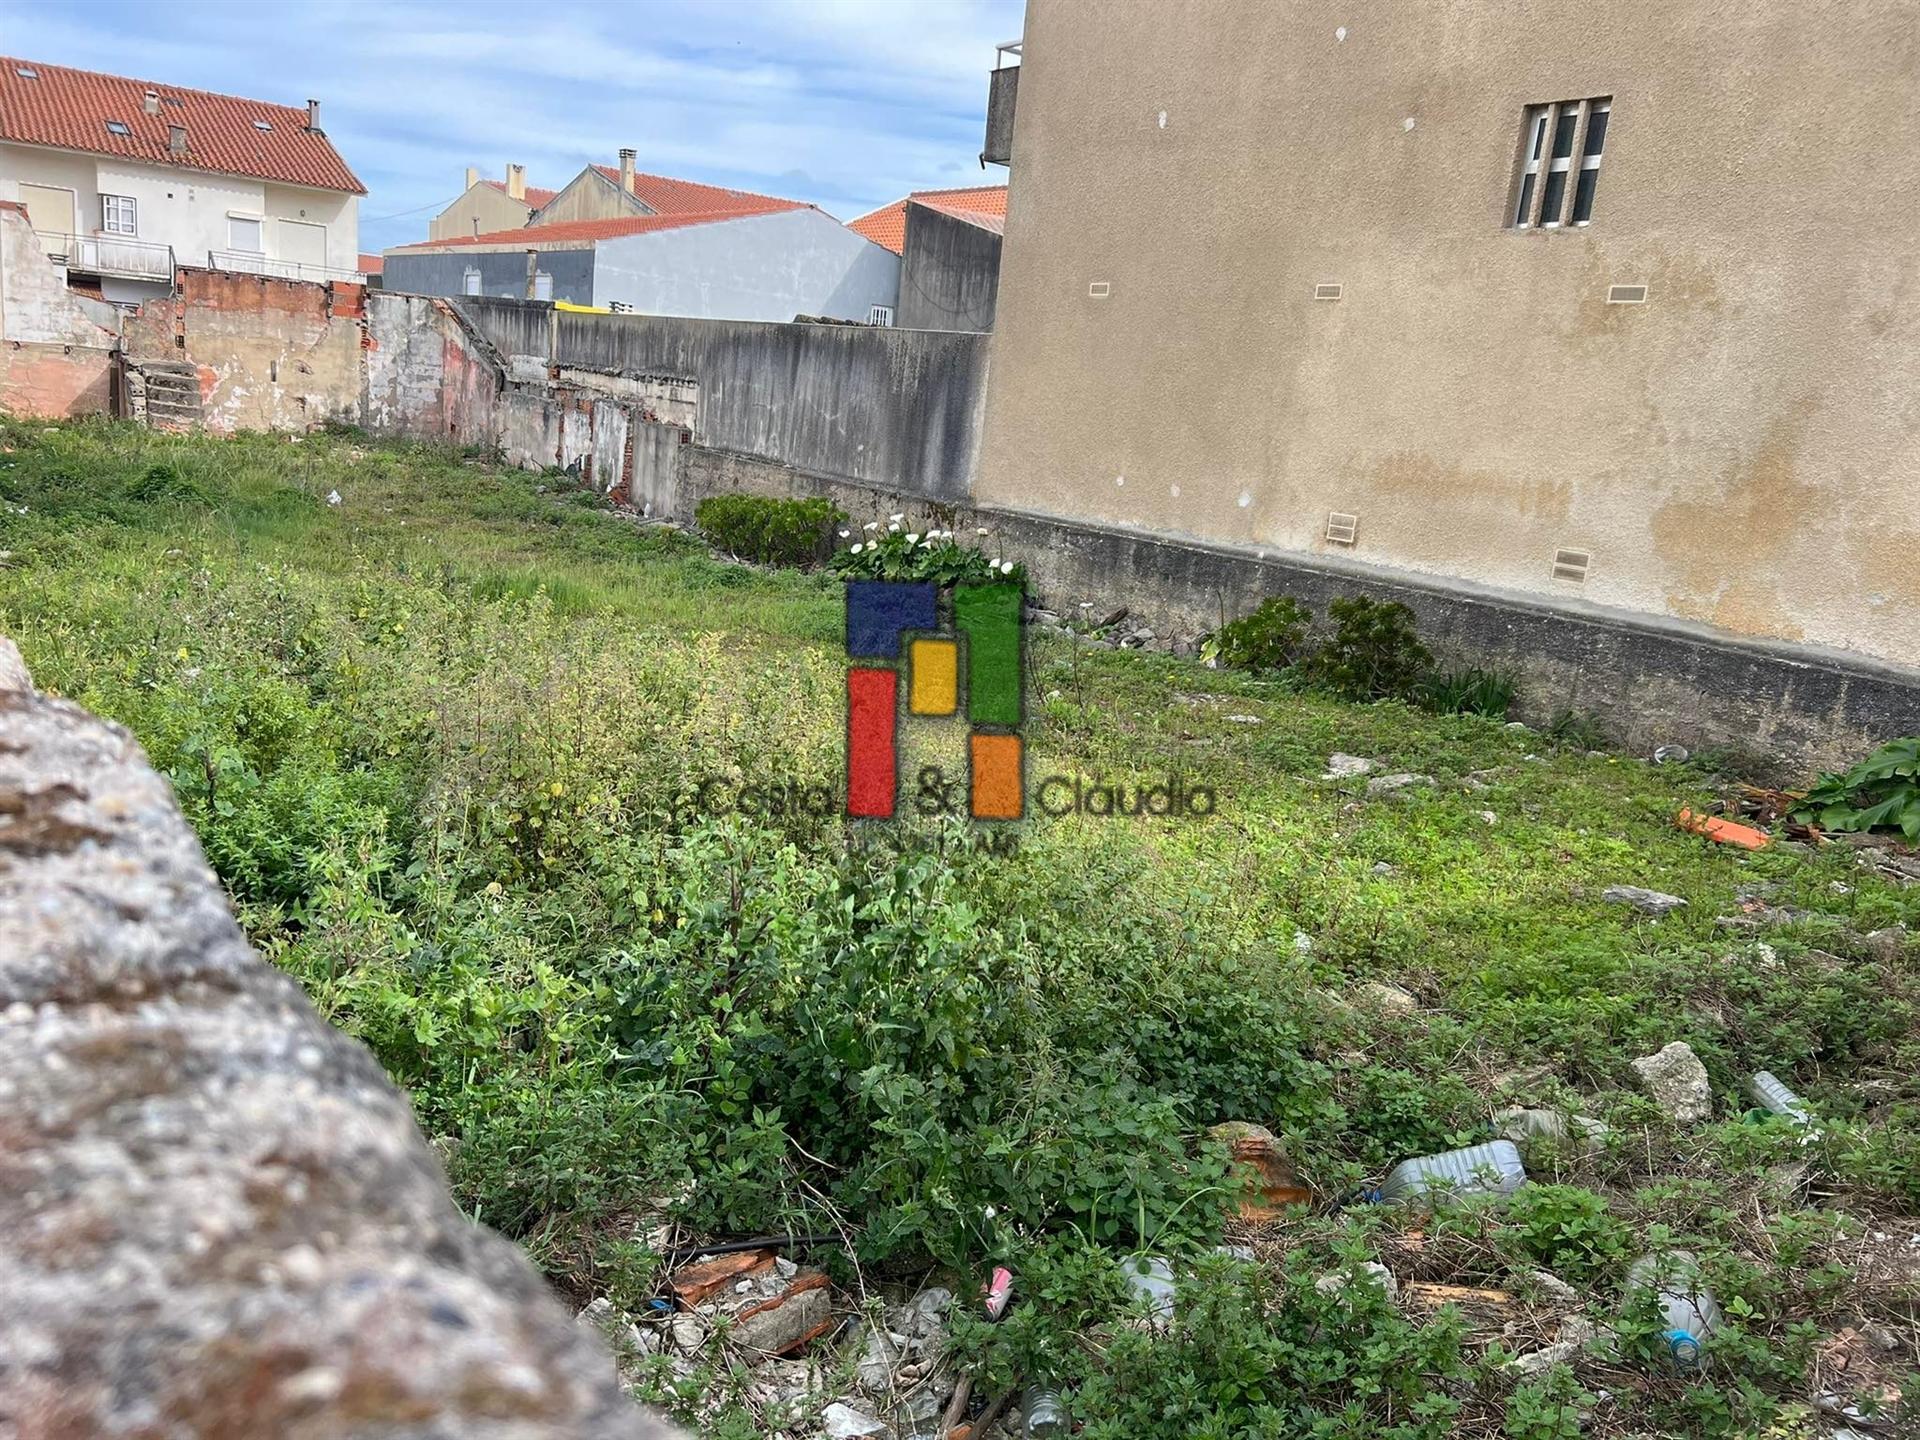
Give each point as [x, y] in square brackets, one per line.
[978, 204]
[665, 195]
[370, 264]
[532, 237]
[69, 110]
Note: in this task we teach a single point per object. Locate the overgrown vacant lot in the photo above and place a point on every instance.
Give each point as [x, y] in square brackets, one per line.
[442, 741]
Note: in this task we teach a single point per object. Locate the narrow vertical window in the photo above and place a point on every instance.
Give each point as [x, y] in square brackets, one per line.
[1590, 161]
[470, 282]
[1534, 137]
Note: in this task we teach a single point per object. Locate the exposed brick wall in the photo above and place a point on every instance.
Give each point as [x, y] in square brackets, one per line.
[56, 347]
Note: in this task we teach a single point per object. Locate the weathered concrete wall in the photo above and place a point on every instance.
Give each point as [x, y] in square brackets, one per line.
[1649, 681]
[427, 376]
[272, 354]
[217, 1216]
[56, 347]
[949, 273]
[503, 271]
[1741, 450]
[891, 407]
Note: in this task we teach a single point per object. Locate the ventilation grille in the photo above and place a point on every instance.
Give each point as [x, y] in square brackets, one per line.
[1342, 528]
[1328, 292]
[1626, 295]
[1099, 290]
[1571, 565]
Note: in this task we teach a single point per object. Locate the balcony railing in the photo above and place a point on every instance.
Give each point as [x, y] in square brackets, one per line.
[252, 262]
[115, 255]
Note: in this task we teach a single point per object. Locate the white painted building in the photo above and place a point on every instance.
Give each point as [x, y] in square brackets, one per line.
[124, 179]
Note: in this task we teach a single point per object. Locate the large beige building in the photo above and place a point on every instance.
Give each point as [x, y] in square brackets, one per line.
[1610, 305]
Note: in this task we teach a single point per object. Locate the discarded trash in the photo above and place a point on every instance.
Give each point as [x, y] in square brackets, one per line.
[998, 1291]
[1370, 1272]
[1490, 1169]
[1672, 755]
[1723, 832]
[1045, 1413]
[1261, 1160]
[1151, 1278]
[1520, 1125]
[1772, 1094]
[333, 497]
[1691, 1312]
[842, 1422]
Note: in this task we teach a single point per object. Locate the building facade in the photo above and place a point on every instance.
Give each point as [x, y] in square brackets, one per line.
[1613, 311]
[489, 205]
[124, 179]
[948, 242]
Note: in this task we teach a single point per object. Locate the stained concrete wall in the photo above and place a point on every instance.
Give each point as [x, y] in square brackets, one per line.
[272, 354]
[888, 406]
[1742, 450]
[949, 273]
[56, 346]
[753, 267]
[427, 376]
[503, 270]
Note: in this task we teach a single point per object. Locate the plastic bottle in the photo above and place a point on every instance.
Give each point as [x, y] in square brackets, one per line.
[1768, 1089]
[1490, 1169]
[1151, 1278]
[1044, 1412]
[1692, 1314]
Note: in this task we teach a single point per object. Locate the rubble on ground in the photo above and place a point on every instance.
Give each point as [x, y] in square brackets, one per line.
[1677, 1082]
[1650, 902]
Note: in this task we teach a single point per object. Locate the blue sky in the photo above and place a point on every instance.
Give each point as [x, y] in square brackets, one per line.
[845, 103]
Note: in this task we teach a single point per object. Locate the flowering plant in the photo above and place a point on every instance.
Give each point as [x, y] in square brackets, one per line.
[899, 554]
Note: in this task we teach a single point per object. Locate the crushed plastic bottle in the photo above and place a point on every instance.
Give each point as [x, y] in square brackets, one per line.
[1692, 1314]
[1044, 1413]
[1151, 1278]
[1771, 1093]
[1490, 1169]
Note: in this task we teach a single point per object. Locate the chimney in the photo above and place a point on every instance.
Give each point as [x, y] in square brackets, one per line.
[626, 171]
[516, 182]
[313, 117]
[473, 177]
[176, 139]
[150, 103]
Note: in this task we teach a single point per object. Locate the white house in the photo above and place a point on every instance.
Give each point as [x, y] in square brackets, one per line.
[124, 179]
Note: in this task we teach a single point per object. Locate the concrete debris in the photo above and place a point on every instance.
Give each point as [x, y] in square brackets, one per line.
[1575, 1333]
[1387, 999]
[1677, 1082]
[775, 1305]
[1887, 945]
[1396, 784]
[1554, 1288]
[1368, 1272]
[1344, 767]
[1650, 902]
[841, 1421]
[904, 1352]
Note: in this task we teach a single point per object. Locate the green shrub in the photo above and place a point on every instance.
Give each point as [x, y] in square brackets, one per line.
[1882, 792]
[1569, 1230]
[1467, 692]
[768, 531]
[1271, 638]
[1374, 653]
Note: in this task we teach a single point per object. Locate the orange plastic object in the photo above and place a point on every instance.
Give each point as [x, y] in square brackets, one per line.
[1724, 832]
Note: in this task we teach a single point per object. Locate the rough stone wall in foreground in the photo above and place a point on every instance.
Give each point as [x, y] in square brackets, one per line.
[217, 1217]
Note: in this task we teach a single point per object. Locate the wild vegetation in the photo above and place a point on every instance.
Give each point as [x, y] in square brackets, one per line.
[448, 741]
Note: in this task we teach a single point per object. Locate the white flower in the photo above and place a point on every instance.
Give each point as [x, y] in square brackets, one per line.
[981, 530]
[991, 1212]
[1006, 567]
[871, 525]
[845, 533]
[912, 539]
[928, 542]
[898, 518]
[1086, 604]
[858, 548]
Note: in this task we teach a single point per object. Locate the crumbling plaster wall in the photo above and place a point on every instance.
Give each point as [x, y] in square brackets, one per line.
[56, 346]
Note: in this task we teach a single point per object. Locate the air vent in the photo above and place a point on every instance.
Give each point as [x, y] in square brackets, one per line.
[1328, 292]
[1571, 565]
[1099, 290]
[1342, 528]
[1626, 295]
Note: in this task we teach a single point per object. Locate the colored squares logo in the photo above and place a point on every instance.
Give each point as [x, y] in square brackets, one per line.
[973, 666]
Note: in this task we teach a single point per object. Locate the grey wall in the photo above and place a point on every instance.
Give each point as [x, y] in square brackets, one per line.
[949, 274]
[502, 273]
[757, 267]
[899, 408]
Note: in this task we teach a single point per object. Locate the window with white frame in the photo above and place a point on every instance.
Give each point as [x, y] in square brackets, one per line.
[1560, 150]
[880, 315]
[117, 215]
[470, 282]
[243, 233]
[542, 285]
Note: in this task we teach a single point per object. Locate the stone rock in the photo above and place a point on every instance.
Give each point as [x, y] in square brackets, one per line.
[13, 670]
[1553, 1287]
[689, 1332]
[1388, 999]
[253, 1235]
[779, 1328]
[1394, 784]
[1575, 1332]
[1368, 1272]
[1344, 767]
[1887, 945]
[1651, 902]
[1784, 1184]
[1677, 1081]
[841, 1421]
[1381, 867]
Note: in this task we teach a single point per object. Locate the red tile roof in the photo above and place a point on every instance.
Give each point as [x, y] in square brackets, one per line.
[370, 264]
[536, 197]
[533, 237]
[69, 110]
[664, 195]
[980, 205]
